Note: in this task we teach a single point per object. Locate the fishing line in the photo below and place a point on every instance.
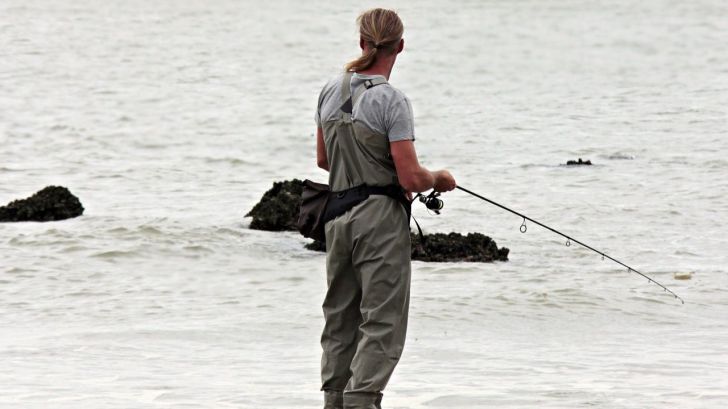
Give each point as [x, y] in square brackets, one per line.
[523, 228]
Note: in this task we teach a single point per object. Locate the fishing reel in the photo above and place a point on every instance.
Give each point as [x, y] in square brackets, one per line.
[432, 202]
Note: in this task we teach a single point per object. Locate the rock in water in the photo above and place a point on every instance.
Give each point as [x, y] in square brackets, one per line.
[278, 208]
[578, 163]
[49, 204]
[439, 247]
[316, 246]
[278, 211]
[474, 247]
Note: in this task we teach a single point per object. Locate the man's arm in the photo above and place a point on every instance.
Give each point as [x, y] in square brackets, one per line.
[321, 159]
[412, 176]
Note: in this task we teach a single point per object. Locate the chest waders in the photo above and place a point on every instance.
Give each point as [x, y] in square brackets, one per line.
[367, 265]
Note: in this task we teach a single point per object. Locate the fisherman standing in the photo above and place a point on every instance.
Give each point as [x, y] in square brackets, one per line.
[365, 140]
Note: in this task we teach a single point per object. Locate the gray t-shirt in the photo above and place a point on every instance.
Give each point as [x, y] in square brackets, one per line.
[383, 109]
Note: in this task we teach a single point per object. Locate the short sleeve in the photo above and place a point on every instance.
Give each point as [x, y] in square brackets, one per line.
[317, 116]
[399, 120]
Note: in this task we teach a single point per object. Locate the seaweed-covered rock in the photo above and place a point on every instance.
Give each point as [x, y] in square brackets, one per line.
[439, 247]
[278, 208]
[578, 162]
[49, 204]
[316, 246]
[278, 211]
[456, 247]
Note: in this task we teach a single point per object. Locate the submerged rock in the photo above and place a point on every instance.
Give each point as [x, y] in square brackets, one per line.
[278, 208]
[440, 247]
[620, 156]
[316, 246]
[278, 211]
[49, 204]
[474, 247]
[578, 162]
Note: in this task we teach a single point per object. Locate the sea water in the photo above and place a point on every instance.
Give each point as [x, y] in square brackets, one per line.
[169, 119]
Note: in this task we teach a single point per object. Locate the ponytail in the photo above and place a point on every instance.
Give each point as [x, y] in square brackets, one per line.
[381, 30]
[365, 61]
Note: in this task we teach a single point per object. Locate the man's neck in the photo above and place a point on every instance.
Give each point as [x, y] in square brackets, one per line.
[381, 67]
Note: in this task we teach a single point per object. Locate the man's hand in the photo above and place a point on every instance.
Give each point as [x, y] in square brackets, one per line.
[444, 182]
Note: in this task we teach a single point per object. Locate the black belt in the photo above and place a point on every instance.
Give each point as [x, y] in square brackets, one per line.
[342, 201]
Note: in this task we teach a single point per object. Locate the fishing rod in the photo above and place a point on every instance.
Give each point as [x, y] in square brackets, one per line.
[432, 202]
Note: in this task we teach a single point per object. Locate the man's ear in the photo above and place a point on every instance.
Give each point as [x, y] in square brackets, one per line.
[400, 47]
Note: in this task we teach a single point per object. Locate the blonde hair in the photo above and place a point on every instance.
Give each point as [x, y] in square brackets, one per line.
[381, 29]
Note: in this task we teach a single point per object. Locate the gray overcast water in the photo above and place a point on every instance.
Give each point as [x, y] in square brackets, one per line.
[169, 119]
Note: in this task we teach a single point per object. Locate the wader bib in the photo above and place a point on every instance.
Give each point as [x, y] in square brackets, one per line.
[367, 266]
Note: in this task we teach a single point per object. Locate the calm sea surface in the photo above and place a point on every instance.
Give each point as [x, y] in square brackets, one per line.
[169, 119]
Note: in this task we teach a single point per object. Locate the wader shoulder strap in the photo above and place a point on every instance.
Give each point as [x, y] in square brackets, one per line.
[367, 85]
[347, 100]
[346, 105]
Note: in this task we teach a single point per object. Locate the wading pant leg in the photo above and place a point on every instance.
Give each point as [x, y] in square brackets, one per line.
[341, 310]
[381, 258]
[333, 399]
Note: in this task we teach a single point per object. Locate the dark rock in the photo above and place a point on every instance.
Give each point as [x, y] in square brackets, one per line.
[579, 162]
[278, 211]
[49, 204]
[474, 247]
[316, 246]
[278, 208]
